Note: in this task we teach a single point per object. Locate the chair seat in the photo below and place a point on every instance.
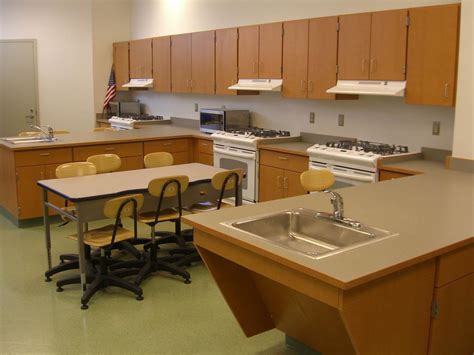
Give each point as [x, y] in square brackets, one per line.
[168, 214]
[206, 207]
[101, 237]
[69, 209]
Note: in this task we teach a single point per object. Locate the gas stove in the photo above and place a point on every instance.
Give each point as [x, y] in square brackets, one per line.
[248, 136]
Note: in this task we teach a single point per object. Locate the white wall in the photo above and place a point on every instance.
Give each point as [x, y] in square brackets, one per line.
[375, 118]
[463, 146]
[63, 29]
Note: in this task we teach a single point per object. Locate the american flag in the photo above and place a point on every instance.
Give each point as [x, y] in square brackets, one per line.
[111, 92]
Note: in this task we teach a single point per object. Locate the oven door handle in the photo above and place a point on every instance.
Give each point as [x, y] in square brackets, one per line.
[234, 154]
[353, 177]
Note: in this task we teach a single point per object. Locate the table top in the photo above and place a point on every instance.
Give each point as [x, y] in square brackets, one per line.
[84, 188]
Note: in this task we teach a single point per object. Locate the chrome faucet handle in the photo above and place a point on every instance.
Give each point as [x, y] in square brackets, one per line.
[49, 133]
[337, 204]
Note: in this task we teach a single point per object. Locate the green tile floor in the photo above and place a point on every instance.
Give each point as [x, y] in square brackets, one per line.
[174, 318]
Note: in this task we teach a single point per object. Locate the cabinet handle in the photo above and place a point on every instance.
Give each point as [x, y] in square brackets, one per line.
[364, 63]
[108, 149]
[41, 174]
[311, 86]
[303, 85]
[205, 144]
[167, 144]
[373, 64]
[279, 185]
[255, 67]
[282, 158]
[45, 154]
[446, 86]
[285, 182]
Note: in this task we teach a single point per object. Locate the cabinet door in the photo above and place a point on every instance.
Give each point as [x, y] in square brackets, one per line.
[29, 194]
[388, 45]
[206, 159]
[226, 60]
[121, 64]
[354, 46]
[322, 57]
[295, 59]
[452, 331]
[181, 49]
[132, 163]
[141, 59]
[162, 64]
[292, 185]
[270, 51]
[432, 55]
[270, 183]
[248, 52]
[203, 62]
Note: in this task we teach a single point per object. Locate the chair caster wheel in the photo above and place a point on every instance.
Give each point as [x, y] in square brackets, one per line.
[84, 307]
[47, 279]
[59, 289]
[139, 298]
[187, 281]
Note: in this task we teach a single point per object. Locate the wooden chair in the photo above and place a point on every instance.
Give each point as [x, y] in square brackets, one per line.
[105, 238]
[158, 159]
[105, 163]
[317, 180]
[161, 188]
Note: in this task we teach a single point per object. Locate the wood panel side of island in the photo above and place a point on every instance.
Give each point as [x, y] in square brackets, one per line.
[8, 191]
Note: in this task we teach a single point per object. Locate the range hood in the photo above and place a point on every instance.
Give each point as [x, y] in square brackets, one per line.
[258, 85]
[369, 87]
[139, 83]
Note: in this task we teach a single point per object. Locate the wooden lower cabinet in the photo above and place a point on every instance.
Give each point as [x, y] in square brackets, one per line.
[206, 159]
[276, 180]
[204, 152]
[181, 149]
[390, 175]
[132, 163]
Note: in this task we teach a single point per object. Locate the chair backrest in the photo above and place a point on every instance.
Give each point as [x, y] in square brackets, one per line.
[123, 206]
[75, 169]
[29, 134]
[169, 184]
[317, 180]
[227, 180]
[105, 163]
[158, 159]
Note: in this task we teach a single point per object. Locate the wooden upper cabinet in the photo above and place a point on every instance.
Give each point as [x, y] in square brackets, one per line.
[248, 52]
[203, 62]
[226, 60]
[270, 51]
[162, 64]
[181, 49]
[295, 58]
[354, 46]
[322, 57]
[432, 55]
[388, 45]
[141, 59]
[121, 64]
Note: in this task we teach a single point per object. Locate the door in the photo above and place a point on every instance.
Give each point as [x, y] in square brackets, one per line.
[121, 65]
[322, 57]
[18, 89]
[141, 59]
[181, 49]
[354, 46]
[226, 60]
[295, 59]
[203, 62]
[248, 52]
[270, 51]
[388, 45]
[432, 55]
[270, 183]
[162, 64]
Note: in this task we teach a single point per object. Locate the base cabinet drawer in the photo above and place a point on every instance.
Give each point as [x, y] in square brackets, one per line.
[43, 156]
[284, 161]
[204, 146]
[390, 175]
[167, 145]
[122, 150]
[206, 159]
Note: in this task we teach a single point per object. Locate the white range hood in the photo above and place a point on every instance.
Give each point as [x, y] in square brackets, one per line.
[369, 87]
[139, 83]
[258, 85]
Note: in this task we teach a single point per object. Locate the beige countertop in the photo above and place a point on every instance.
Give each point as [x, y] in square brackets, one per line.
[298, 148]
[107, 137]
[432, 214]
[417, 166]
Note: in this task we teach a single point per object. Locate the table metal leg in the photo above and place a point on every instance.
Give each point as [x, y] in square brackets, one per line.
[47, 227]
[80, 246]
[239, 195]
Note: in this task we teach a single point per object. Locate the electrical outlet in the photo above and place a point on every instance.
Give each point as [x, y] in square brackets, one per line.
[311, 117]
[340, 119]
[436, 128]
[223, 107]
[196, 107]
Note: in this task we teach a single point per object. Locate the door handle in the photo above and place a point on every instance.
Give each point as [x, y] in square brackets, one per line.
[373, 64]
[31, 117]
[364, 63]
[279, 184]
[446, 86]
[311, 86]
[255, 67]
[285, 182]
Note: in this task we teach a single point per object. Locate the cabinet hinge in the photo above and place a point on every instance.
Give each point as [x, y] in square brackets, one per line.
[434, 309]
[407, 21]
[338, 26]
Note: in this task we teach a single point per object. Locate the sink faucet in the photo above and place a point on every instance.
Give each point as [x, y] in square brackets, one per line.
[49, 133]
[337, 204]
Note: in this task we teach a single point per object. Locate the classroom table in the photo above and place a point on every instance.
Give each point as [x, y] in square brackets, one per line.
[89, 194]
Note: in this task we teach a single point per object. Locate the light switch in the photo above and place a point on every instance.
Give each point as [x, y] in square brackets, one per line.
[340, 119]
[311, 117]
[436, 128]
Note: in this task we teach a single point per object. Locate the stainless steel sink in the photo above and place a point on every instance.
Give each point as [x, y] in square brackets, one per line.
[27, 140]
[304, 231]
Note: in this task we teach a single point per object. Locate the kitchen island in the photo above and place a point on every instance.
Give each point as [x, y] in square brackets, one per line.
[408, 294]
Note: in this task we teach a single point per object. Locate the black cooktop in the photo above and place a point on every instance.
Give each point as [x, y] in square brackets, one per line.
[366, 146]
[260, 132]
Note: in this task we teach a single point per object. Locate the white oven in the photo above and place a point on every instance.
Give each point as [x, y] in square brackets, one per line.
[346, 176]
[232, 157]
